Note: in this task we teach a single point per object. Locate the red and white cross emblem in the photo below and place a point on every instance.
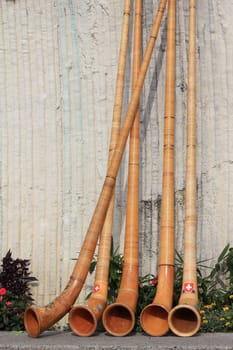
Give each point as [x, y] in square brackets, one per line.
[96, 288]
[188, 287]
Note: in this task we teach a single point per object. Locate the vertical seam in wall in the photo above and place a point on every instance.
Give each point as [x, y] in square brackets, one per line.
[66, 201]
[72, 124]
[78, 115]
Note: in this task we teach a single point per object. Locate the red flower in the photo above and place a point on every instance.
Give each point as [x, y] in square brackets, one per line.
[8, 303]
[154, 282]
[3, 291]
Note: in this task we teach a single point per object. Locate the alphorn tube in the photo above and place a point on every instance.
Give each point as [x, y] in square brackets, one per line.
[119, 317]
[83, 318]
[184, 319]
[154, 317]
[38, 319]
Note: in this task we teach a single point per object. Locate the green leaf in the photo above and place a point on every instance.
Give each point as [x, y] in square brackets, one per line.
[223, 253]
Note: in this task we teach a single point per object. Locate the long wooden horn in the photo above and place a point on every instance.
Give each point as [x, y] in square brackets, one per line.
[184, 319]
[83, 318]
[38, 319]
[119, 317]
[154, 317]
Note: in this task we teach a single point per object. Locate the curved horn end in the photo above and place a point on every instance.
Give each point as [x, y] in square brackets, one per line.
[154, 320]
[31, 322]
[118, 319]
[82, 320]
[184, 320]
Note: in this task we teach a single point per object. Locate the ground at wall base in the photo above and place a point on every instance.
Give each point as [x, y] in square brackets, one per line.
[68, 341]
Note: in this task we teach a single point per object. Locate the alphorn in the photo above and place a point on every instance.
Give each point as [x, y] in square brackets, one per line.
[184, 319]
[154, 317]
[119, 318]
[38, 319]
[83, 318]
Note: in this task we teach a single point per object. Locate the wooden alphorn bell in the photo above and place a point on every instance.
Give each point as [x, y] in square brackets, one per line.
[154, 317]
[83, 318]
[38, 319]
[184, 319]
[119, 317]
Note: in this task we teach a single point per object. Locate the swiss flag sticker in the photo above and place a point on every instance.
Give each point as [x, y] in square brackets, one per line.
[188, 287]
[96, 288]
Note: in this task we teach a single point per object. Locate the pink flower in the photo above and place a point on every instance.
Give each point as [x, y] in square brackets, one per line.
[154, 282]
[3, 291]
[8, 303]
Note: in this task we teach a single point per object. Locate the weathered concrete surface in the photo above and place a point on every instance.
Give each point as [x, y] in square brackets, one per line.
[68, 341]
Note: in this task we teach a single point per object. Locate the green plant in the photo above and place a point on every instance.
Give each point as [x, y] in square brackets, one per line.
[15, 294]
[216, 318]
[216, 295]
[11, 311]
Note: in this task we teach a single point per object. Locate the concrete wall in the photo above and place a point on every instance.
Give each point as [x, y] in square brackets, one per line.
[58, 61]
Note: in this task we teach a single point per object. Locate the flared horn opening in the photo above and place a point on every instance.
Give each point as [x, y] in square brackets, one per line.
[82, 321]
[154, 320]
[31, 322]
[118, 319]
[184, 320]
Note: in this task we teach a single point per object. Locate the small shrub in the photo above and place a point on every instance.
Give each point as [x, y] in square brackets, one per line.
[15, 295]
[216, 294]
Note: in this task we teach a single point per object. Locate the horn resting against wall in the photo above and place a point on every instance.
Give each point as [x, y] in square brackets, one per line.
[83, 318]
[119, 317]
[184, 319]
[154, 317]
